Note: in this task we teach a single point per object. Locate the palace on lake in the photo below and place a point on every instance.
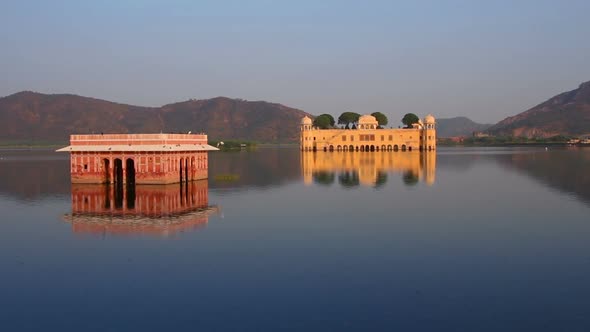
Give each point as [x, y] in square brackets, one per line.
[138, 158]
[369, 137]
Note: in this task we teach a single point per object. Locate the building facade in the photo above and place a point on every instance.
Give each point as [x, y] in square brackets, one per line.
[368, 137]
[138, 158]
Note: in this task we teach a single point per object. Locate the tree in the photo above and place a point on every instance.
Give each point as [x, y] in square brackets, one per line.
[324, 121]
[347, 118]
[381, 118]
[409, 119]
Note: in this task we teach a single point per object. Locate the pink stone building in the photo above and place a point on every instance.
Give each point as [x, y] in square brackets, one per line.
[138, 158]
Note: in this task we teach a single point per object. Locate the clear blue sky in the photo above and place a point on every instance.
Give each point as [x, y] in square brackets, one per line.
[482, 59]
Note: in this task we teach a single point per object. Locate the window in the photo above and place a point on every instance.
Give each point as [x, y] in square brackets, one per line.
[351, 138]
[391, 137]
[344, 138]
[85, 166]
[382, 138]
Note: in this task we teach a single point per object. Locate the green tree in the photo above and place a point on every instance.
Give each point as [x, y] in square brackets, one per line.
[409, 119]
[323, 121]
[381, 118]
[347, 118]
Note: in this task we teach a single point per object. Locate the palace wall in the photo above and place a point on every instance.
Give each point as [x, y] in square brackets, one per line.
[375, 139]
[138, 158]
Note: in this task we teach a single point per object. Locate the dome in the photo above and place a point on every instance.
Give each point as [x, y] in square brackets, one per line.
[429, 119]
[306, 120]
[369, 119]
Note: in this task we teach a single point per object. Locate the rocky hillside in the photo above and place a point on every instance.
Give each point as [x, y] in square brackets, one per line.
[565, 114]
[36, 117]
[459, 126]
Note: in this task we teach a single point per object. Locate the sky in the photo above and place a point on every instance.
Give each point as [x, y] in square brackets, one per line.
[482, 59]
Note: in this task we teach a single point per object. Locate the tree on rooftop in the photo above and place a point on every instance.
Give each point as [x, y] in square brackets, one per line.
[381, 118]
[409, 119]
[347, 118]
[324, 121]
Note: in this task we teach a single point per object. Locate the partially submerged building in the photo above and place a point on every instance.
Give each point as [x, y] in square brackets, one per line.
[369, 137]
[138, 158]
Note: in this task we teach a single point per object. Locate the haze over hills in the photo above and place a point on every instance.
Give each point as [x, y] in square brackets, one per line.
[565, 114]
[458, 126]
[36, 117]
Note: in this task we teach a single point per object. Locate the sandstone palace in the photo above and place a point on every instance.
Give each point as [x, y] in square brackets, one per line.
[367, 136]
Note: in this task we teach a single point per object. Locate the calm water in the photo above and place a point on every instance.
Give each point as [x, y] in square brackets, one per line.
[465, 240]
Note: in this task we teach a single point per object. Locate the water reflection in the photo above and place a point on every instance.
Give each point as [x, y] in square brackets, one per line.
[351, 169]
[161, 210]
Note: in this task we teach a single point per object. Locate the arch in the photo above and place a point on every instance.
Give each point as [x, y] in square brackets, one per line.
[345, 148]
[193, 168]
[325, 149]
[389, 147]
[372, 148]
[409, 148]
[186, 178]
[180, 169]
[118, 171]
[130, 171]
[107, 170]
[367, 148]
[395, 147]
[362, 148]
[351, 148]
[357, 148]
[339, 148]
[403, 147]
[383, 147]
[331, 148]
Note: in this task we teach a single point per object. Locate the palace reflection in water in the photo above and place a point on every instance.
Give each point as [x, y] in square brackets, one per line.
[160, 210]
[367, 169]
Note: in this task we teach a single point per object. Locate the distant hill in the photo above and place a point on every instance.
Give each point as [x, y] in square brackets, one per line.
[565, 114]
[36, 117]
[458, 126]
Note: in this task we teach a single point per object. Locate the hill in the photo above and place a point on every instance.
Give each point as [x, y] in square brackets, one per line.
[458, 126]
[565, 114]
[36, 117]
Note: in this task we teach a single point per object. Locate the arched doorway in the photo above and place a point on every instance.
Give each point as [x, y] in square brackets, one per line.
[107, 170]
[350, 148]
[395, 147]
[130, 171]
[180, 169]
[186, 177]
[193, 168]
[403, 147]
[118, 172]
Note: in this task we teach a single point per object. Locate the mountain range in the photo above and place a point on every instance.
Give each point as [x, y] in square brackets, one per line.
[565, 114]
[36, 117]
[458, 126]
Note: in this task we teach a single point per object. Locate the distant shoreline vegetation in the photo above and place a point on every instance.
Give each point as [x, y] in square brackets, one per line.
[233, 145]
[502, 141]
[16, 144]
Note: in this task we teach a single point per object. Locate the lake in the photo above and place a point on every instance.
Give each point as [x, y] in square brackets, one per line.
[464, 239]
